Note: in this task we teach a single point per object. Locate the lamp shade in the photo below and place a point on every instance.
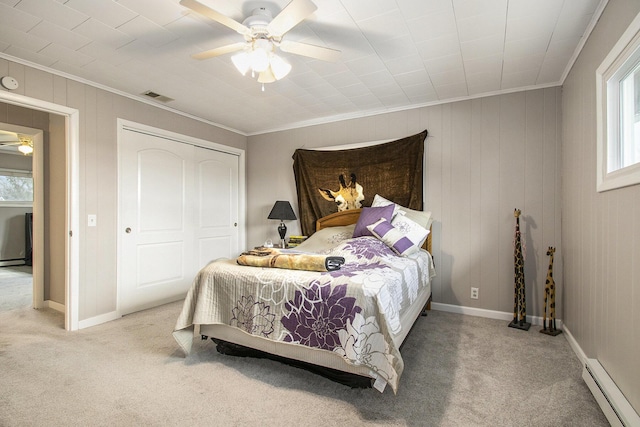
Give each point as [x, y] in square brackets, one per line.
[282, 210]
[242, 62]
[279, 67]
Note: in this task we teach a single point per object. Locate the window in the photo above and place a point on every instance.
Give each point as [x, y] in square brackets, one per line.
[629, 147]
[618, 113]
[16, 187]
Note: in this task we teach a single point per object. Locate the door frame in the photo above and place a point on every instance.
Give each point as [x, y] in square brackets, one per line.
[72, 211]
[123, 124]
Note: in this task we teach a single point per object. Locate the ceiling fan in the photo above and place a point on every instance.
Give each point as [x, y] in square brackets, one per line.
[24, 143]
[263, 35]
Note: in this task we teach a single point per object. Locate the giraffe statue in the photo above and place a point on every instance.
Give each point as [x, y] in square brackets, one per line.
[520, 304]
[550, 299]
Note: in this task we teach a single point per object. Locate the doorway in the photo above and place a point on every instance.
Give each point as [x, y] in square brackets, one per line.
[70, 118]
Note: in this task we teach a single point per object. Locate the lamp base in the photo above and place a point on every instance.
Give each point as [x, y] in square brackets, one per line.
[282, 231]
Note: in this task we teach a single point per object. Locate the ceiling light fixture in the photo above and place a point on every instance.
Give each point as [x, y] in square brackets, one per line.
[26, 146]
[260, 58]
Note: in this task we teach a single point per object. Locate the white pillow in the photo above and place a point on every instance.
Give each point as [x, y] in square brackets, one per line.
[379, 201]
[423, 218]
[326, 238]
[414, 231]
[392, 237]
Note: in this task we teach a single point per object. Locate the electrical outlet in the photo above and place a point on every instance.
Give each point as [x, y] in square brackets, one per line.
[475, 293]
[92, 220]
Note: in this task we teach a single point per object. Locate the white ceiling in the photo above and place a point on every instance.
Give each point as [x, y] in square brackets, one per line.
[396, 54]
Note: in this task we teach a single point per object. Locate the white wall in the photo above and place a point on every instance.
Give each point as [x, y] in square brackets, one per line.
[99, 110]
[485, 157]
[600, 231]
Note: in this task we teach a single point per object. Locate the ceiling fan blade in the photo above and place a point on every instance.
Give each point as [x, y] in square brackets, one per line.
[291, 15]
[219, 51]
[7, 138]
[311, 51]
[216, 16]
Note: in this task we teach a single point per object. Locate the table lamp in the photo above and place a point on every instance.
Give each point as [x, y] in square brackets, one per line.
[282, 210]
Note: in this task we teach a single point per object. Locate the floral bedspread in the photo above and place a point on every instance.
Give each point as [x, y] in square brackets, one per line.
[353, 311]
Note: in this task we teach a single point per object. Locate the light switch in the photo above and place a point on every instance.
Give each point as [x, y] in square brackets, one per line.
[93, 220]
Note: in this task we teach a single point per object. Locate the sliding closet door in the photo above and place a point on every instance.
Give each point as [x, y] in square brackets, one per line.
[156, 185]
[217, 205]
[178, 210]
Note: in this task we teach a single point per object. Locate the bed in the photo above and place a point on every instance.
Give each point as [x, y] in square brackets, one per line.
[347, 324]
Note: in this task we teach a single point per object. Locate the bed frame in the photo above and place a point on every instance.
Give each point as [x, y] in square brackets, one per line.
[354, 380]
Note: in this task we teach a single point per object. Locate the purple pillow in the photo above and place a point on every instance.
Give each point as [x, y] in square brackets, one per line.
[369, 216]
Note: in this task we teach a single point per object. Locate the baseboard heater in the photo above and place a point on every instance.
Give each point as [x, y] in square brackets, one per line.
[614, 405]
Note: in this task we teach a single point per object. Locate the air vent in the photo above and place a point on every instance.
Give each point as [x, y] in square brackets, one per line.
[157, 96]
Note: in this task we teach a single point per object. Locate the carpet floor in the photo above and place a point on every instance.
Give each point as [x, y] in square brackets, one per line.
[459, 371]
[16, 287]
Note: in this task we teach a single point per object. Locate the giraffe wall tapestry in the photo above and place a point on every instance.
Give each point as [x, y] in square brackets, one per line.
[329, 181]
[520, 304]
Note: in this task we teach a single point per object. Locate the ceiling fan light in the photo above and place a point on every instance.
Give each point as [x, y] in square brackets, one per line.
[259, 60]
[279, 67]
[266, 76]
[25, 148]
[242, 61]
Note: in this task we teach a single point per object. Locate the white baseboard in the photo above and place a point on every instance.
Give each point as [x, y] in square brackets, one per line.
[96, 320]
[575, 346]
[490, 314]
[54, 305]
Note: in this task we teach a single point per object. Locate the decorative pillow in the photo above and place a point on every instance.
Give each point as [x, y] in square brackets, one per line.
[370, 215]
[414, 231]
[395, 239]
[422, 218]
[326, 238]
[379, 201]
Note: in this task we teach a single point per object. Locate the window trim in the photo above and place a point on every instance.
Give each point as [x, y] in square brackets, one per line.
[608, 77]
